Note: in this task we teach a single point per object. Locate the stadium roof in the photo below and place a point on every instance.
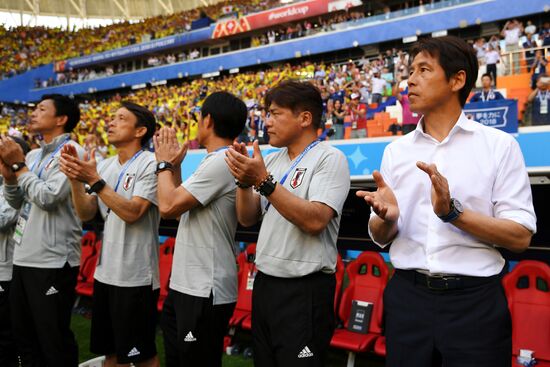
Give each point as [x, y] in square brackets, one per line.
[35, 12]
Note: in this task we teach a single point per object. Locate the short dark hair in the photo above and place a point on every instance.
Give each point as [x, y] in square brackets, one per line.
[144, 118]
[298, 97]
[453, 54]
[65, 106]
[228, 113]
[487, 75]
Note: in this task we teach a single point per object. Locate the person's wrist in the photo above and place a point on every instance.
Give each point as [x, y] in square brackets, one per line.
[94, 179]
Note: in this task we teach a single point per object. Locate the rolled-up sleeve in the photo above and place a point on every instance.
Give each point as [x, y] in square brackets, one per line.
[512, 198]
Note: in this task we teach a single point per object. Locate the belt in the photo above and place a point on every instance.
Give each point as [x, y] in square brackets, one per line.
[444, 282]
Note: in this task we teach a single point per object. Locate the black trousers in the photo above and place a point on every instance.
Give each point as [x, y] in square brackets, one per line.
[8, 356]
[194, 329]
[41, 302]
[469, 326]
[292, 319]
[492, 70]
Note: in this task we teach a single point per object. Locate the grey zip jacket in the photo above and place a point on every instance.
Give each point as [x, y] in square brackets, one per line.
[53, 230]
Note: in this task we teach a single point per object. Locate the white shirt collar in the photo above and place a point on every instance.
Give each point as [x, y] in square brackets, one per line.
[463, 123]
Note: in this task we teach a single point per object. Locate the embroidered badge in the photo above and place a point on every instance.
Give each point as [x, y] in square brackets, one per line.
[128, 181]
[50, 164]
[297, 177]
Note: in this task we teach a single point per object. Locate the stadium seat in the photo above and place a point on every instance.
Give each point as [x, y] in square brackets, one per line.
[380, 346]
[166, 254]
[87, 249]
[243, 309]
[85, 284]
[527, 289]
[368, 276]
[340, 270]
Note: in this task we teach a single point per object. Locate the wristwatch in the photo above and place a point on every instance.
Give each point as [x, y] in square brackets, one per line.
[163, 166]
[456, 210]
[96, 187]
[267, 186]
[17, 166]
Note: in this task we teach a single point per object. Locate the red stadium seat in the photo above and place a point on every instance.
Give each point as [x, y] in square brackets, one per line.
[340, 270]
[243, 309]
[368, 276]
[380, 346]
[527, 289]
[87, 250]
[85, 285]
[166, 254]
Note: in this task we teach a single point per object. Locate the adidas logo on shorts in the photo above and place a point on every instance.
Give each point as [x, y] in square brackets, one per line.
[51, 291]
[305, 353]
[134, 352]
[190, 338]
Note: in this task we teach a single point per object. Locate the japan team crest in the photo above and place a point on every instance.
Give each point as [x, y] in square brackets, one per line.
[50, 164]
[128, 181]
[297, 177]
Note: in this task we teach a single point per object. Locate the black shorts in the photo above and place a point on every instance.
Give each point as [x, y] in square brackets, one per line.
[124, 322]
[292, 319]
[194, 330]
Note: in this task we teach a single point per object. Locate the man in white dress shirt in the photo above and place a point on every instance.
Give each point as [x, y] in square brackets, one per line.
[448, 194]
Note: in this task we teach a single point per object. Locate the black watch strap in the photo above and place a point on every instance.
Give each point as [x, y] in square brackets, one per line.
[96, 187]
[163, 166]
[17, 166]
[267, 186]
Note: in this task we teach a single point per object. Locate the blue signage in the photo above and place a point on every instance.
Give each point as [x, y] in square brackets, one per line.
[177, 40]
[501, 114]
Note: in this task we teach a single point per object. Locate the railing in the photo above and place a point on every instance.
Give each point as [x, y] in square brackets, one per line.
[517, 62]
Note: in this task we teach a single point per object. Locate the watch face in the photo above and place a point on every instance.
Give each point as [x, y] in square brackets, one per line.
[15, 166]
[458, 206]
[162, 165]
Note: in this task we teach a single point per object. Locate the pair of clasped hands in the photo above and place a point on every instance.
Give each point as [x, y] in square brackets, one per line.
[246, 169]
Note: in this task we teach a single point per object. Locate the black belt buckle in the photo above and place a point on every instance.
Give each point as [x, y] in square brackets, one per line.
[442, 282]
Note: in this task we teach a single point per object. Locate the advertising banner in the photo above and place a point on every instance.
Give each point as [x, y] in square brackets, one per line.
[283, 14]
[501, 114]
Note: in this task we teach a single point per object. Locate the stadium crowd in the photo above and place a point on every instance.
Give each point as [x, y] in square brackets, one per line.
[36, 46]
[25, 47]
[348, 91]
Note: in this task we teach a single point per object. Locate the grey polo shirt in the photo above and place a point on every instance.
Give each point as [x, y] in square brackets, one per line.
[283, 249]
[8, 218]
[53, 231]
[204, 257]
[130, 252]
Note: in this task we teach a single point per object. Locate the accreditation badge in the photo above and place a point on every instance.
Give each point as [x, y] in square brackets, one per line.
[543, 106]
[250, 280]
[21, 224]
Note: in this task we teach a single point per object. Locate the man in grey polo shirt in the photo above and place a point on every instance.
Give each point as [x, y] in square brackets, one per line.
[8, 218]
[126, 283]
[302, 190]
[203, 285]
[47, 237]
